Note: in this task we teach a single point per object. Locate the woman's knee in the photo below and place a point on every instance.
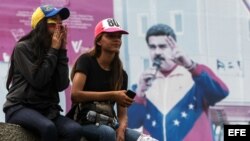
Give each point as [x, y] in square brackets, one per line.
[48, 128]
[107, 133]
[131, 135]
[74, 129]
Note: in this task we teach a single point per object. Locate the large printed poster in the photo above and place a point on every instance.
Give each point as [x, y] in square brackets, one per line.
[84, 15]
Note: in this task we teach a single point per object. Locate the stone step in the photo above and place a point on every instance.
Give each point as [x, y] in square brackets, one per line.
[12, 132]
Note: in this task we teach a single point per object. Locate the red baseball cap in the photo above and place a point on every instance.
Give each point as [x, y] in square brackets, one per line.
[108, 25]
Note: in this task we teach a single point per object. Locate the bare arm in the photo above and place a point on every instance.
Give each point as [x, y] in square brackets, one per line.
[78, 95]
[123, 122]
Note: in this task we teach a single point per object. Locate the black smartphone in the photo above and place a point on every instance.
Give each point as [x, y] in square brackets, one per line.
[130, 94]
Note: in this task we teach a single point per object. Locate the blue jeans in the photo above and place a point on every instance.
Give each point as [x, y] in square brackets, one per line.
[61, 127]
[105, 133]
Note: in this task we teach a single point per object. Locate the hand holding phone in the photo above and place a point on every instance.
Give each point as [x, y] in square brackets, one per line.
[130, 94]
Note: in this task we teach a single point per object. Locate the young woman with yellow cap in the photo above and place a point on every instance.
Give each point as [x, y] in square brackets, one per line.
[38, 72]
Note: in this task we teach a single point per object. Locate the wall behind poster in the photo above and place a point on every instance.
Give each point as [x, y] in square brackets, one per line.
[15, 22]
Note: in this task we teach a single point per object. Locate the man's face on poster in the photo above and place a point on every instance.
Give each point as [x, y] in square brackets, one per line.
[158, 47]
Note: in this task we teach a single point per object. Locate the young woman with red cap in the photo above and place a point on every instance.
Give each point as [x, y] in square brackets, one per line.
[98, 83]
[38, 71]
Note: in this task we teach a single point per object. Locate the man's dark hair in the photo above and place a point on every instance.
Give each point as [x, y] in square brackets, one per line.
[160, 29]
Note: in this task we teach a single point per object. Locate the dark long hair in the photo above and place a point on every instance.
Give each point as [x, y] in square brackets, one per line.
[116, 66]
[40, 42]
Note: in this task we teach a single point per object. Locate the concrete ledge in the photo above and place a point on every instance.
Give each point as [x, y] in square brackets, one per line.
[12, 132]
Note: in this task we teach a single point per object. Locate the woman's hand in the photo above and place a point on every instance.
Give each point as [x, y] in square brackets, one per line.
[120, 134]
[57, 37]
[122, 99]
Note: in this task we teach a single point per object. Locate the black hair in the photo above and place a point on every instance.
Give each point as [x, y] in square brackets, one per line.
[40, 40]
[160, 29]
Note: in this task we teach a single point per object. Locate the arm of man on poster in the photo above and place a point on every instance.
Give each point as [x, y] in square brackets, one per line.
[214, 88]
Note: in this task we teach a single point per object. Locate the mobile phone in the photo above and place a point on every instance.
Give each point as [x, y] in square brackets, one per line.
[130, 94]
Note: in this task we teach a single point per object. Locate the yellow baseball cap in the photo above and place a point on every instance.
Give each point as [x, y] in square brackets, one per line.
[48, 11]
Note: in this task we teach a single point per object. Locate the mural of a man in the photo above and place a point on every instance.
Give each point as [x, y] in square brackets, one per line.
[174, 95]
